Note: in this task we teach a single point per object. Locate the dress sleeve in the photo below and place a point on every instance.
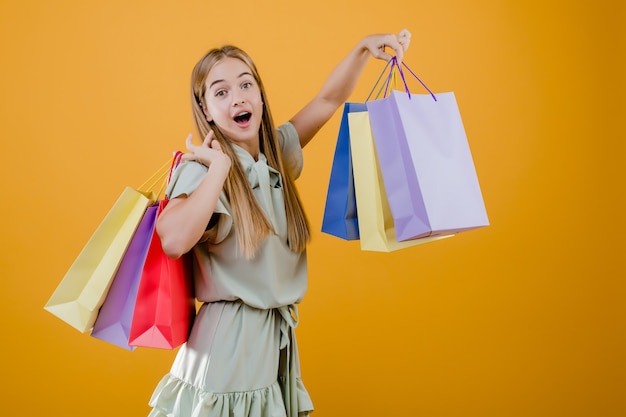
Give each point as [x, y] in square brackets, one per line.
[291, 149]
[185, 179]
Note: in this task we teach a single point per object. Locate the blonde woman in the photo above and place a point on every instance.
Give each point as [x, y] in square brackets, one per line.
[233, 203]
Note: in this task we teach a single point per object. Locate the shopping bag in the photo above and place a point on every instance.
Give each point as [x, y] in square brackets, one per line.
[340, 212]
[376, 226]
[165, 303]
[426, 164]
[82, 290]
[80, 294]
[114, 320]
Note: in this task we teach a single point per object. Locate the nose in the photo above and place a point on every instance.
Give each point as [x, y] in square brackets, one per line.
[238, 100]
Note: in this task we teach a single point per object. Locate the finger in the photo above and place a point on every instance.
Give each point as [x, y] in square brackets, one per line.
[383, 55]
[216, 145]
[404, 39]
[399, 54]
[392, 42]
[397, 48]
[380, 53]
[188, 157]
[404, 33]
[208, 138]
[189, 141]
[404, 43]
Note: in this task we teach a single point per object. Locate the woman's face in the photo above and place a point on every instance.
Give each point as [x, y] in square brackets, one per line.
[233, 102]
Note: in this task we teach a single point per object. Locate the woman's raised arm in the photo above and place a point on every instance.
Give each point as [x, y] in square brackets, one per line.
[342, 80]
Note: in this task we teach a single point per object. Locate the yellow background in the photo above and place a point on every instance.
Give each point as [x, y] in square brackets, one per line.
[523, 318]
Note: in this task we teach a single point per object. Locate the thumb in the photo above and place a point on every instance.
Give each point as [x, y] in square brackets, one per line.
[208, 138]
[216, 145]
[189, 141]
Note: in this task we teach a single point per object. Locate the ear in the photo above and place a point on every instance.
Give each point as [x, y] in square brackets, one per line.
[206, 114]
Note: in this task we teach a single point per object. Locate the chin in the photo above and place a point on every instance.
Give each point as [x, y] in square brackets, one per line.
[244, 137]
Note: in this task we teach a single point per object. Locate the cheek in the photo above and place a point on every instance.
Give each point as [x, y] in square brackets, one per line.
[258, 103]
[215, 112]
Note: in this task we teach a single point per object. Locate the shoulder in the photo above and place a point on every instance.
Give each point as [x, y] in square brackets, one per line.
[287, 133]
[290, 148]
[185, 179]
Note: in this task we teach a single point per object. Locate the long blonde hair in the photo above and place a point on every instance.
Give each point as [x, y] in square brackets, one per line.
[251, 224]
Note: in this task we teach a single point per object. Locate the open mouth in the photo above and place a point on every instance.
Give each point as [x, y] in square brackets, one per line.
[242, 118]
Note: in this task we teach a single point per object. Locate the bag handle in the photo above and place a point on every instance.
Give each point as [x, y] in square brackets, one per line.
[175, 162]
[394, 63]
[155, 178]
[162, 175]
[377, 81]
[390, 78]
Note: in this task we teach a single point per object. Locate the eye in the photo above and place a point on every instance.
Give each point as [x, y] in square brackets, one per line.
[220, 93]
[246, 84]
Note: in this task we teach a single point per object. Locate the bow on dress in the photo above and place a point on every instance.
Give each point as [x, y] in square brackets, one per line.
[261, 176]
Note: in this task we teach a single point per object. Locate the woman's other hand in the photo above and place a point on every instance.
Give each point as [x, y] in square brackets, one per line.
[209, 153]
[377, 44]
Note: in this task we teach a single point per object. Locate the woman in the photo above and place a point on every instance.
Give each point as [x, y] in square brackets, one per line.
[234, 203]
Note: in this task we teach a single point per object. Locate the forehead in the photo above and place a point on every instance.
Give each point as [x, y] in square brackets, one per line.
[227, 70]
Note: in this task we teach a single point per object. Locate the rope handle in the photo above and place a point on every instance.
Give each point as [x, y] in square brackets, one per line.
[175, 162]
[395, 61]
[155, 178]
[162, 175]
[377, 81]
[391, 78]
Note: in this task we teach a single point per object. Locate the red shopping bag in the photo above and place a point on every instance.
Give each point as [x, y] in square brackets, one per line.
[165, 305]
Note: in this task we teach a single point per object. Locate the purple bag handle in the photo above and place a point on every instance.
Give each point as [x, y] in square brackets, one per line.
[394, 61]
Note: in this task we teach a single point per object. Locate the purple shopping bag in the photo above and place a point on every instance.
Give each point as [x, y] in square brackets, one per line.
[426, 163]
[114, 320]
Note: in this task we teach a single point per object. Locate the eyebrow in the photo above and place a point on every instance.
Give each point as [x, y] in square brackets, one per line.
[221, 81]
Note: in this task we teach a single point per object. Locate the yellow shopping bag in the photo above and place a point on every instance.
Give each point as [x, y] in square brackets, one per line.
[80, 294]
[377, 232]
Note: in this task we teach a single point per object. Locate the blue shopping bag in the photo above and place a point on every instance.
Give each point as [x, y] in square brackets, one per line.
[340, 212]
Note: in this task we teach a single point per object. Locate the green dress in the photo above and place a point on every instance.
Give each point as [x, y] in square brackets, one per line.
[241, 358]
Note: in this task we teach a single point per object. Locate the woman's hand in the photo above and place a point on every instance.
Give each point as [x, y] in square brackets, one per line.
[209, 153]
[376, 44]
[183, 221]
